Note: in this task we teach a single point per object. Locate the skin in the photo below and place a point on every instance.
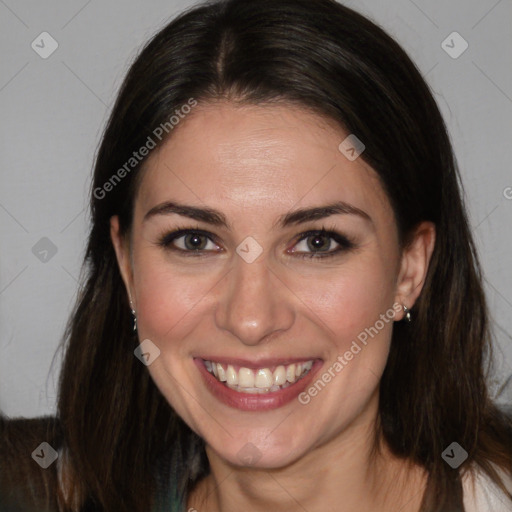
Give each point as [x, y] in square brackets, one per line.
[254, 164]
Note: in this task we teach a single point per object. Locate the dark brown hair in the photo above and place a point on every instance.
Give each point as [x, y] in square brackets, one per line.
[113, 423]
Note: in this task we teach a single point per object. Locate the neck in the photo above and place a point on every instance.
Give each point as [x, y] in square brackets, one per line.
[345, 474]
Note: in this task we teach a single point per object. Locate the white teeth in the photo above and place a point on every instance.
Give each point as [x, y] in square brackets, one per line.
[264, 378]
[222, 373]
[261, 380]
[290, 373]
[280, 375]
[231, 376]
[259, 391]
[245, 378]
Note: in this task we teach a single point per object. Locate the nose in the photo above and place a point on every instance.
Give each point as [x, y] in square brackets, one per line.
[254, 304]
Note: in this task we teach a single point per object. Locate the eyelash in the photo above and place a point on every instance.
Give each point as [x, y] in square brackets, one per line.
[344, 242]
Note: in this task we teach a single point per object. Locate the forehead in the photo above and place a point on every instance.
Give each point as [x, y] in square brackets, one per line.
[275, 157]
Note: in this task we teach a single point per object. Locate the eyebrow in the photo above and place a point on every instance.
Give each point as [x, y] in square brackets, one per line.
[217, 218]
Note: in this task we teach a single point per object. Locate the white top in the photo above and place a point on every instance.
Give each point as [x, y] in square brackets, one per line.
[482, 495]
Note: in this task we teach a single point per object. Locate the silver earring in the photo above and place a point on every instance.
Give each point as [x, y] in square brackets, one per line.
[134, 317]
[407, 312]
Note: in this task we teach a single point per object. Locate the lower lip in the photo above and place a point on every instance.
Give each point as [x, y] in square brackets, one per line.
[253, 401]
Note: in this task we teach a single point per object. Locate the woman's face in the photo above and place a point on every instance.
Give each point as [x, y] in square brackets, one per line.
[248, 289]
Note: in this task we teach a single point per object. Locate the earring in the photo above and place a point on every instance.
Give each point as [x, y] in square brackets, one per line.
[407, 312]
[134, 317]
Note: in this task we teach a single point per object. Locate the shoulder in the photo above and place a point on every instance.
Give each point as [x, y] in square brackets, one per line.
[27, 466]
[481, 494]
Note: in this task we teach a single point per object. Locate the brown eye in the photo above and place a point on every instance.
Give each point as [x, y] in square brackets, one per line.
[193, 241]
[317, 244]
[188, 242]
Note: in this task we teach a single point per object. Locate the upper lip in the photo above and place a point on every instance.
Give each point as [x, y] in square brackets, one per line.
[259, 363]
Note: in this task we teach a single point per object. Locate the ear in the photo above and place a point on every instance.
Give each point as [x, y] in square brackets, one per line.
[122, 250]
[414, 265]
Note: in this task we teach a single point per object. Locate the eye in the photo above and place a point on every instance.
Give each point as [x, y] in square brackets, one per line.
[320, 244]
[190, 242]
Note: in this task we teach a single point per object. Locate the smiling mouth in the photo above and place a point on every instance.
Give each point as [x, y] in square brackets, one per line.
[258, 380]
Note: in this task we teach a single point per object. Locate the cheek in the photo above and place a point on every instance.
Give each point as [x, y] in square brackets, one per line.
[167, 301]
[357, 308]
[353, 298]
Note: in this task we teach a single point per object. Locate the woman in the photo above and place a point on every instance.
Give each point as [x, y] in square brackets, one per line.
[220, 357]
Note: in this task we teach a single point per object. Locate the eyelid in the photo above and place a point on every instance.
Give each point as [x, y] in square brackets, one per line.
[331, 233]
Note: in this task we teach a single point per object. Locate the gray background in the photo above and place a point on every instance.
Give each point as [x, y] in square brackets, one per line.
[54, 109]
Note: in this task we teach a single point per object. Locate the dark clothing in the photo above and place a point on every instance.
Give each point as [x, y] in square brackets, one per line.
[25, 486]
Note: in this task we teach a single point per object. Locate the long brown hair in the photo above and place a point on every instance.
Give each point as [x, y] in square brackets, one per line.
[115, 425]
